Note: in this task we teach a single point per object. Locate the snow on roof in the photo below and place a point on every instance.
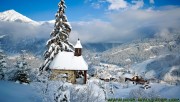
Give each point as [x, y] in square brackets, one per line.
[78, 44]
[105, 75]
[67, 61]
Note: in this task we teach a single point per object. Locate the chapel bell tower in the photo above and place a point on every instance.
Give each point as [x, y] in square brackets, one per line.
[78, 48]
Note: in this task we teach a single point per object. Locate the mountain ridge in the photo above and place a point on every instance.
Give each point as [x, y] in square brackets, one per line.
[14, 16]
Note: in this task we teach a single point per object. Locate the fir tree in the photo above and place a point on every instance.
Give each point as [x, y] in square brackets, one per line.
[2, 65]
[59, 37]
[22, 75]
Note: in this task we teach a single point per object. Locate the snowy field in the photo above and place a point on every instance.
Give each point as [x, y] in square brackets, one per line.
[14, 92]
[156, 91]
[129, 90]
[99, 88]
[40, 92]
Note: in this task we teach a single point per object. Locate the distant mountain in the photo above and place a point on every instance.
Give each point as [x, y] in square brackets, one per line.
[142, 50]
[32, 45]
[18, 32]
[100, 47]
[22, 33]
[13, 16]
[37, 45]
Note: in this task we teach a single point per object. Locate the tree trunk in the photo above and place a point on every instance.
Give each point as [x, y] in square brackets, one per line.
[85, 76]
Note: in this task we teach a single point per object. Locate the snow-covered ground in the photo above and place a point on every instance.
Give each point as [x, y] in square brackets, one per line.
[96, 90]
[167, 85]
[14, 92]
[106, 83]
[158, 90]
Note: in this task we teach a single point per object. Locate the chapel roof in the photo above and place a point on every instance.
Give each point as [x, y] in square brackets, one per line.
[67, 61]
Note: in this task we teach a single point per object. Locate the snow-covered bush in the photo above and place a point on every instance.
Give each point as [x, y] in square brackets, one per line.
[173, 76]
[153, 94]
[63, 94]
[87, 93]
[47, 89]
[141, 93]
[121, 79]
[58, 91]
[137, 93]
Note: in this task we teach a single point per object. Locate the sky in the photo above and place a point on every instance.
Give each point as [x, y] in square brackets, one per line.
[41, 10]
[105, 20]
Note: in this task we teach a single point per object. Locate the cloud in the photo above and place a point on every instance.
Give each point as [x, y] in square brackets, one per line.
[151, 1]
[128, 26]
[112, 4]
[92, 31]
[120, 26]
[137, 4]
[96, 5]
[117, 4]
[24, 30]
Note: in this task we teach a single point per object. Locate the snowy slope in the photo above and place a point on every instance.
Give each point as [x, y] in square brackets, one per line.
[12, 92]
[2, 36]
[142, 50]
[13, 16]
[156, 90]
[166, 68]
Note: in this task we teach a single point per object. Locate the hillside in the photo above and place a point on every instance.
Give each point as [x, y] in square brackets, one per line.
[141, 50]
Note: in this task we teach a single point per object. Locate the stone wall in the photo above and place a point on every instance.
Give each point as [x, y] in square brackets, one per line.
[71, 76]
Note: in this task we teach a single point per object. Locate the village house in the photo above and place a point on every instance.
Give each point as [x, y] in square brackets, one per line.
[72, 64]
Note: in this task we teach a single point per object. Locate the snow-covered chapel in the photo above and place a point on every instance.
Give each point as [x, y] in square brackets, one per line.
[70, 64]
[61, 57]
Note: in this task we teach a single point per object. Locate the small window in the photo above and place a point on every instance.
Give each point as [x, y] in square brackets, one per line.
[78, 50]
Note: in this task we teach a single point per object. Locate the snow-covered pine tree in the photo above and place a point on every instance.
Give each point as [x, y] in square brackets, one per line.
[59, 37]
[2, 64]
[22, 75]
[63, 94]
